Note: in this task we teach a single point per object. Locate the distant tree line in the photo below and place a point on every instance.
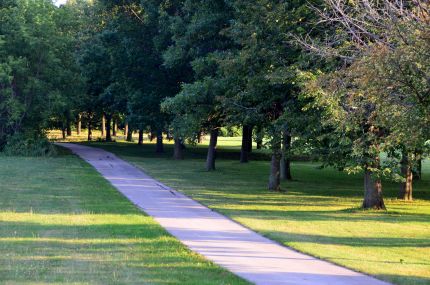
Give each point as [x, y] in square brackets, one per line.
[342, 82]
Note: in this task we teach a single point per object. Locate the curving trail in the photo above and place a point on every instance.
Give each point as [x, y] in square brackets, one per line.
[221, 240]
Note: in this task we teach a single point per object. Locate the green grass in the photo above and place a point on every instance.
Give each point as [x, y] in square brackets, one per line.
[61, 223]
[319, 214]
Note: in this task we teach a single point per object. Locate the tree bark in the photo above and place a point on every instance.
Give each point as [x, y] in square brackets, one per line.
[178, 153]
[249, 139]
[405, 191]
[285, 160]
[372, 192]
[63, 132]
[103, 125]
[417, 172]
[199, 137]
[130, 135]
[108, 128]
[211, 157]
[152, 136]
[244, 152]
[140, 141]
[69, 126]
[159, 148]
[79, 125]
[126, 129]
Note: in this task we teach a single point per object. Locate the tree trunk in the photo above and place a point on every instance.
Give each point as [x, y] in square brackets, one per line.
[275, 177]
[211, 157]
[372, 192]
[114, 127]
[159, 148]
[178, 153]
[405, 191]
[244, 152]
[69, 126]
[140, 141]
[79, 125]
[103, 125]
[108, 128]
[285, 160]
[152, 136]
[417, 172]
[126, 129]
[199, 137]
[249, 139]
[63, 132]
[130, 135]
[90, 131]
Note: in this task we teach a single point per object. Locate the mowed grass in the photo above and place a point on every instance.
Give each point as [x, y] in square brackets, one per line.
[61, 223]
[319, 214]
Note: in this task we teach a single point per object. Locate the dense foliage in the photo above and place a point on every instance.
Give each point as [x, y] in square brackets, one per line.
[340, 81]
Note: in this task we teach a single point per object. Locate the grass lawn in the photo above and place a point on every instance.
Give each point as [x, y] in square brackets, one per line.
[61, 223]
[318, 215]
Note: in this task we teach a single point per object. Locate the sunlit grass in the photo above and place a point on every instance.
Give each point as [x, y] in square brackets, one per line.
[319, 214]
[61, 223]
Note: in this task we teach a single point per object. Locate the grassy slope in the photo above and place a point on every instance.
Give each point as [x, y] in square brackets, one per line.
[60, 222]
[319, 214]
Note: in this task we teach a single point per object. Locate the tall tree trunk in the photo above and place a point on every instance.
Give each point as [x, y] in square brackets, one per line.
[79, 125]
[244, 152]
[108, 128]
[90, 130]
[130, 135]
[199, 137]
[63, 132]
[103, 125]
[275, 177]
[285, 160]
[211, 157]
[249, 139]
[140, 141]
[126, 129]
[69, 126]
[405, 191]
[372, 192]
[178, 153]
[159, 148]
[417, 172]
[114, 126]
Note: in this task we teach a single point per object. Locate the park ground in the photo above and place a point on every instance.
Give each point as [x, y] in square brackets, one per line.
[62, 223]
[319, 213]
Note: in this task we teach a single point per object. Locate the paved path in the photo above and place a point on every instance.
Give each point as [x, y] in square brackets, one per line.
[214, 236]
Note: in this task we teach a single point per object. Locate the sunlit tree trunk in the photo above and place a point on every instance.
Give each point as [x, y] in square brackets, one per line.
[79, 125]
[103, 125]
[126, 129]
[211, 157]
[405, 191]
[372, 191]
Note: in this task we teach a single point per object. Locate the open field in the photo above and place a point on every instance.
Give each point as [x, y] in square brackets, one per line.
[319, 214]
[61, 223]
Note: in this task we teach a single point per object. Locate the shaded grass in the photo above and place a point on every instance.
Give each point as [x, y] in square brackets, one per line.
[60, 222]
[319, 214]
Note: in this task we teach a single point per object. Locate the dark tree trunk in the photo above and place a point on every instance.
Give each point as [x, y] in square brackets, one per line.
[108, 128]
[275, 167]
[159, 148]
[63, 132]
[130, 135]
[211, 157]
[199, 137]
[405, 191]
[244, 152]
[140, 141]
[178, 153]
[372, 192]
[249, 139]
[90, 131]
[103, 125]
[152, 136]
[114, 127]
[79, 125]
[285, 161]
[69, 127]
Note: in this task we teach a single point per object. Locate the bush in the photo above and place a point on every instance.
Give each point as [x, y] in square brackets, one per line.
[21, 145]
